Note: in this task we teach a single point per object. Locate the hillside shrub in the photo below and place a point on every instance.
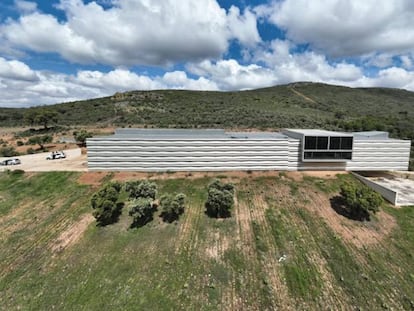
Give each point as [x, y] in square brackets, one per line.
[360, 200]
[81, 136]
[8, 151]
[220, 199]
[105, 205]
[172, 206]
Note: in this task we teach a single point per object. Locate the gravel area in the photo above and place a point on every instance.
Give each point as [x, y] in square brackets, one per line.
[75, 161]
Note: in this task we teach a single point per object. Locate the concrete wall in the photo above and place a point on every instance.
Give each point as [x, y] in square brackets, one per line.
[388, 194]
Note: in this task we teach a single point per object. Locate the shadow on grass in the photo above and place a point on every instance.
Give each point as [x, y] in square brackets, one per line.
[114, 218]
[338, 204]
[169, 217]
[145, 219]
[215, 213]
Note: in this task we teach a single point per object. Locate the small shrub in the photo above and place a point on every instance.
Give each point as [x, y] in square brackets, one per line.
[172, 207]
[81, 136]
[19, 143]
[30, 151]
[142, 211]
[141, 189]
[105, 204]
[220, 199]
[360, 200]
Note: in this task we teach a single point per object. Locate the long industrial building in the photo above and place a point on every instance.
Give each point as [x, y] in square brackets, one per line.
[152, 150]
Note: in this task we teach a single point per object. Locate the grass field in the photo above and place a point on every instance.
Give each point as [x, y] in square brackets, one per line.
[284, 248]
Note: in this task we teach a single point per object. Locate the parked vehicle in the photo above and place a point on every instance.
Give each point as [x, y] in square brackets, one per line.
[56, 155]
[13, 161]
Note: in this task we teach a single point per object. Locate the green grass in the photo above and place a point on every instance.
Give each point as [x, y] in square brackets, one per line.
[198, 263]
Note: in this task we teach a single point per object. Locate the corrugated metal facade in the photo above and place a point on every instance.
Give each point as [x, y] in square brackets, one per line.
[215, 150]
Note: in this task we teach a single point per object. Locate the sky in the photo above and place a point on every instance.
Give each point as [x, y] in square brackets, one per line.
[55, 51]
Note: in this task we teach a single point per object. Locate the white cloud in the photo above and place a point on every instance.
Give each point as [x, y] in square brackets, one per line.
[382, 60]
[230, 75]
[116, 80]
[243, 27]
[16, 70]
[25, 6]
[407, 61]
[134, 32]
[180, 80]
[346, 27]
[51, 88]
[308, 66]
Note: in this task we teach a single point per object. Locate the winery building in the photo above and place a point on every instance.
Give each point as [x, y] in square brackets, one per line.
[151, 150]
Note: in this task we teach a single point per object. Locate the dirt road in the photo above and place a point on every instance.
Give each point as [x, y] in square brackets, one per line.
[75, 161]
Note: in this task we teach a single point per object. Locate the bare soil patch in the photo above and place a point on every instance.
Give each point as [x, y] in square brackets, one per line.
[91, 178]
[323, 174]
[72, 234]
[357, 233]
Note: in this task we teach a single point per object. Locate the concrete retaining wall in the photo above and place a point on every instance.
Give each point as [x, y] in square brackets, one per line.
[388, 194]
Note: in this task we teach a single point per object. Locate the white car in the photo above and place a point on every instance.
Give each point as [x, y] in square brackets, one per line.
[56, 155]
[13, 161]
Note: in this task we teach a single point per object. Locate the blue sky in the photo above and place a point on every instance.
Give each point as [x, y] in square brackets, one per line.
[64, 50]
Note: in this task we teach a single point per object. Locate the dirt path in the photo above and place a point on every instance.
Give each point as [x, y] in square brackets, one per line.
[302, 95]
[75, 161]
[71, 235]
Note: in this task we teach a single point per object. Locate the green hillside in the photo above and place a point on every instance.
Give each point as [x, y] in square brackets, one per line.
[294, 105]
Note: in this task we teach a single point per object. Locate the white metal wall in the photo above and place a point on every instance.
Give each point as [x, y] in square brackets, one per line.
[236, 154]
[380, 155]
[187, 155]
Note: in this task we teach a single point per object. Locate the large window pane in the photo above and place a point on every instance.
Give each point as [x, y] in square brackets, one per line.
[310, 142]
[335, 143]
[327, 155]
[322, 143]
[346, 143]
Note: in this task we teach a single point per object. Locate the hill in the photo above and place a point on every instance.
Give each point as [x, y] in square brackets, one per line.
[297, 105]
[285, 247]
[300, 105]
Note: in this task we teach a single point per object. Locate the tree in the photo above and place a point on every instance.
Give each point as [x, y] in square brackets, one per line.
[172, 207]
[40, 140]
[220, 199]
[360, 200]
[41, 116]
[141, 189]
[81, 136]
[45, 116]
[142, 211]
[105, 205]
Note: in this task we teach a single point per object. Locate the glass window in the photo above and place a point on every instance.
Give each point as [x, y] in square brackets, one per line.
[310, 142]
[322, 143]
[327, 155]
[335, 143]
[346, 143]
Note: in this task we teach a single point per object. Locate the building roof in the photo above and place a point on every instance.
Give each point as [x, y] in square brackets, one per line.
[371, 135]
[317, 132]
[190, 134]
[221, 134]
